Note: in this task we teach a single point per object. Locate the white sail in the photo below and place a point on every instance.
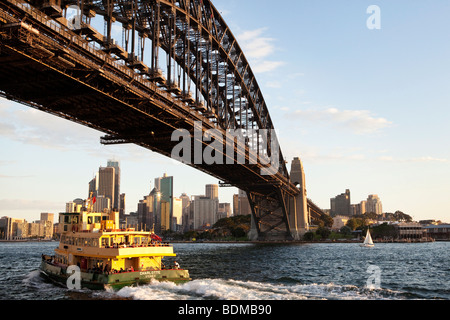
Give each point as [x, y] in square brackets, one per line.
[368, 240]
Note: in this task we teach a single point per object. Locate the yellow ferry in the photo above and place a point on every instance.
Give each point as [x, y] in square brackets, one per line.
[106, 256]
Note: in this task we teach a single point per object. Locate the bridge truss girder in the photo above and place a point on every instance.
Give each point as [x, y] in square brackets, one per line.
[51, 67]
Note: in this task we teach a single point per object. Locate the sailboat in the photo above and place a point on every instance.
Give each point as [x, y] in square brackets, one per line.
[368, 241]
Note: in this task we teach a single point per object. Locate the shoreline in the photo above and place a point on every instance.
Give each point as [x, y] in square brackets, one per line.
[23, 240]
[256, 242]
[302, 242]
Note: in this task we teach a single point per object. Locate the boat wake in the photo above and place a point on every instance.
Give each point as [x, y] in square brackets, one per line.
[218, 289]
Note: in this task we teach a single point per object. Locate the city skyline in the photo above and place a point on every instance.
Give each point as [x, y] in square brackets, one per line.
[364, 109]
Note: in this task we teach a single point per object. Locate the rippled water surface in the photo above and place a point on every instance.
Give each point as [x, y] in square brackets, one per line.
[258, 272]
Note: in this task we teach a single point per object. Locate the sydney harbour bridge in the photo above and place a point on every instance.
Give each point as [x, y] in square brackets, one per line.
[176, 67]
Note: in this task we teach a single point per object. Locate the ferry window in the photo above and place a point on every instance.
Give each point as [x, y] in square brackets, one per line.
[97, 219]
[66, 219]
[65, 227]
[137, 240]
[105, 242]
[89, 220]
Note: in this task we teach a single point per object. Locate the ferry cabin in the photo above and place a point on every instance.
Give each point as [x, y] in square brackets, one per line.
[90, 241]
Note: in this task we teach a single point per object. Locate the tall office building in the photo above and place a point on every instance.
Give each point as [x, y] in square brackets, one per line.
[106, 185]
[122, 206]
[105, 182]
[163, 215]
[212, 191]
[177, 215]
[241, 206]
[185, 207]
[204, 212]
[373, 204]
[224, 211]
[92, 188]
[116, 165]
[340, 205]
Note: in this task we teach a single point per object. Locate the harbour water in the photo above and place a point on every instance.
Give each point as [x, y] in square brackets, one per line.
[258, 272]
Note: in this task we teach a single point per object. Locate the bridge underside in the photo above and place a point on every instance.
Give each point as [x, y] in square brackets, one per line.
[52, 69]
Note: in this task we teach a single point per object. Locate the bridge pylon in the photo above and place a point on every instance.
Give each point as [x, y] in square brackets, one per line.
[280, 215]
[299, 204]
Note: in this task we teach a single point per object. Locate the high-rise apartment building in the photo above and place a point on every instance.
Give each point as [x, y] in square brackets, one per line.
[362, 207]
[340, 205]
[374, 204]
[45, 216]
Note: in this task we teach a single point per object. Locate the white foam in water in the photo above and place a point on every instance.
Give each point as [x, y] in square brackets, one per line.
[211, 289]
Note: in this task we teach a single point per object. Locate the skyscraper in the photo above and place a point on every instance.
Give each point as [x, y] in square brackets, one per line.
[116, 165]
[243, 206]
[164, 216]
[122, 206]
[105, 183]
[185, 204]
[212, 191]
[340, 205]
[373, 204]
[204, 212]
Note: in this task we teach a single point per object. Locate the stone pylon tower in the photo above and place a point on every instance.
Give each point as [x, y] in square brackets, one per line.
[299, 215]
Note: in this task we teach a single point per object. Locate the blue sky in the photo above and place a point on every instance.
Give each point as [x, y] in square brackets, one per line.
[366, 110]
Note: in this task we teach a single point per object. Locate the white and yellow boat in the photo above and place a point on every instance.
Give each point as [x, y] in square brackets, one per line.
[106, 256]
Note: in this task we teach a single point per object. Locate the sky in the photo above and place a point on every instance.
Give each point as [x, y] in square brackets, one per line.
[365, 109]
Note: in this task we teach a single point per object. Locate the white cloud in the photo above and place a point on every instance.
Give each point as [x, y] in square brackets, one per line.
[358, 121]
[417, 159]
[22, 204]
[257, 49]
[266, 66]
[429, 159]
[274, 84]
[30, 126]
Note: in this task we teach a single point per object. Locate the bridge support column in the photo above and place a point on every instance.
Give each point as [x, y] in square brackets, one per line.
[298, 205]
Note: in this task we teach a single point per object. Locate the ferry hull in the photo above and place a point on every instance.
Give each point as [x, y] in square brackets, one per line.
[97, 281]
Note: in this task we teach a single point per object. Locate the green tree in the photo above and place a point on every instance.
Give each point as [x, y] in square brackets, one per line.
[371, 215]
[308, 236]
[323, 232]
[327, 220]
[345, 230]
[400, 216]
[352, 224]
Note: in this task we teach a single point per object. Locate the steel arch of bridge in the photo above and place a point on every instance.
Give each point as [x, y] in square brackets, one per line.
[61, 66]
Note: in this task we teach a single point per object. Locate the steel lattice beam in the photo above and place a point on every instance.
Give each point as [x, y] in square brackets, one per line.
[111, 88]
